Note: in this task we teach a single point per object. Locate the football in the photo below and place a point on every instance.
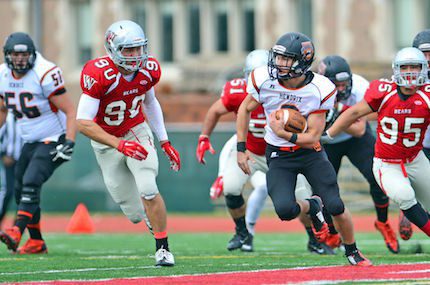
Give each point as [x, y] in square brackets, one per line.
[293, 121]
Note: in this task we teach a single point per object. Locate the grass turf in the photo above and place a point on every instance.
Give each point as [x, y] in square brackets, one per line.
[85, 257]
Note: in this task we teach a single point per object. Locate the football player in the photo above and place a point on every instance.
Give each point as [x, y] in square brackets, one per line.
[115, 88]
[33, 89]
[230, 100]
[356, 142]
[288, 82]
[399, 165]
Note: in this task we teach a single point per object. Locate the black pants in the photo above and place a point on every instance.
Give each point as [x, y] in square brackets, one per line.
[360, 152]
[7, 188]
[281, 179]
[34, 167]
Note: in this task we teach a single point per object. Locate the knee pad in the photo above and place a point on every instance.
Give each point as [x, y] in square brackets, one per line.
[335, 207]
[286, 213]
[30, 195]
[135, 219]
[234, 202]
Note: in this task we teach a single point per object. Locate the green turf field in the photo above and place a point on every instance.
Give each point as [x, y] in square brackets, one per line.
[124, 255]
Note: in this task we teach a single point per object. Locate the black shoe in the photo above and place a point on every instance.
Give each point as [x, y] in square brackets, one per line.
[248, 244]
[319, 248]
[234, 243]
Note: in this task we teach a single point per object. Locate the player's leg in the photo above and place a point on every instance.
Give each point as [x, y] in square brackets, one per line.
[7, 188]
[303, 192]
[393, 179]
[418, 172]
[217, 187]
[234, 182]
[322, 177]
[145, 173]
[256, 200]
[361, 156]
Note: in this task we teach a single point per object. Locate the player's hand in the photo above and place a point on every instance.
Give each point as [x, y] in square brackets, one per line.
[173, 155]
[276, 124]
[331, 116]
[217, 188]
[242, 161]
[203, 145]
[63, 151]
[132, 149]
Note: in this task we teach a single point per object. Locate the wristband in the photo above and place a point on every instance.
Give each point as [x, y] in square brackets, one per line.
[293, 138]
[241, 146]
[328, 135]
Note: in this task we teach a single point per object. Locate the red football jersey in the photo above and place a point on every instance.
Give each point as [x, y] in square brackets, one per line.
[401, 123]
[234, 92]
[120, 100]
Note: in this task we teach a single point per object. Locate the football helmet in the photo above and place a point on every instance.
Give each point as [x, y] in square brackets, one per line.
[295, 46]
[122, 35]
[422, 42]
[254, 59]
[19, 42]
[337, 69]
[410, 56]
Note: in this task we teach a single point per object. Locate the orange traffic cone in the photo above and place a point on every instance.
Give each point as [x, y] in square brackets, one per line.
[81, 222]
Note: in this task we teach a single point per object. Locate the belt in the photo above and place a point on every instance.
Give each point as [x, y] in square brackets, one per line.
[290, 148]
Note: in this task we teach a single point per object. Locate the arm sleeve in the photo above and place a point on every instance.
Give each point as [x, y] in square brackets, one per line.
[252, 88]
[154, 114]
[87, 108]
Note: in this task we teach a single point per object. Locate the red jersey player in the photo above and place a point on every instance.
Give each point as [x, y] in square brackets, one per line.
[115, 89]
[403, 106]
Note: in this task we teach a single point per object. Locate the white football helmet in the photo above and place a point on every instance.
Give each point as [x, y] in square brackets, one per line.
[254, 59]
[410, 56]
[126, 34]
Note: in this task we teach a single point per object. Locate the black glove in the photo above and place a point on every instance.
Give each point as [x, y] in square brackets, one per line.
[331, 116]
[63, 150]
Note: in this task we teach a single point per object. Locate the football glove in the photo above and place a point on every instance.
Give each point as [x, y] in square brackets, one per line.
[63, 151]
[217, 188]
[173, 155]
[203, 145]
[132, 149]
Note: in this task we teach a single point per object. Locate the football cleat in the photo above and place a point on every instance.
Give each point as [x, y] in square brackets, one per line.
[11, 237]
[319, 248]
[333, 240]
[405, 227]
[238, 240]
[357, 258]
[164, 258]
[389, 236]
[33, 246]
[247, 245]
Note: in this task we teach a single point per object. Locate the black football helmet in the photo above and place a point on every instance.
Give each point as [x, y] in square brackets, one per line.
[422, 42]
[337, 69]
[19, 42]
[293, 45]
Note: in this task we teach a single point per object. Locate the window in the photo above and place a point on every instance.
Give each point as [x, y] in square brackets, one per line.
[138, 13]
[166, 30]
[84, 30]
[221, 25]
[249, 25]
[405, 28]
[193, 11]
[304, 14]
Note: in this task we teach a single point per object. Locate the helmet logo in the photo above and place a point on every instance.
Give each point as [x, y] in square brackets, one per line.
[307, 50]
[110, 36]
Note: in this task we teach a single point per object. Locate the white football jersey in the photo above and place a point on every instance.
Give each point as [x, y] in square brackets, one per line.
[359, 87]
[28, 98]
[316, 96]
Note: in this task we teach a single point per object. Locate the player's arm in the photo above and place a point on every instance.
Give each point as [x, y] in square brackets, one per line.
[211, 119]
[358, 128]
[63, 103]
[242, 124]
[348, 117]
[87, 111]
[154, 113]
[3, 112]
[316, 124]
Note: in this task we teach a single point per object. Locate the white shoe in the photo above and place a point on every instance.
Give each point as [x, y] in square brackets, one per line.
[164, 258]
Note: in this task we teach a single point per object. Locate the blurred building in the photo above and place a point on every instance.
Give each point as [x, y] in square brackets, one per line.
[196, 40]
